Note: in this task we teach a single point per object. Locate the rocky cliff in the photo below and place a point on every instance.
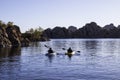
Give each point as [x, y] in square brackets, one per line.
[10, 36]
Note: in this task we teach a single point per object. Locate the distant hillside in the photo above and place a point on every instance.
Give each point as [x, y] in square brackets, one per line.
[90, 30]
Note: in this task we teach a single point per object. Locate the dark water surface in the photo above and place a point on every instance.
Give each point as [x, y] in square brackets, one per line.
[99, 59]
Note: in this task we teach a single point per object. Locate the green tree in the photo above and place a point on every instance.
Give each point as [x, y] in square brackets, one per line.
[34, 34]
[2, 24]
[10, 24]
[37, 34]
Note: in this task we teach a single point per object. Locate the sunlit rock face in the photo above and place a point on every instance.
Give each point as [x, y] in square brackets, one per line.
[14, 35]
[11, 36]
[4, 40]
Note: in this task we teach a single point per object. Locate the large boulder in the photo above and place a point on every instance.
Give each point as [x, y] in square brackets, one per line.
[90, 30]
[71, 30]
[59, 32]
[112, 31]
[109, 27]
[14, 35]
[4, 40]
[10, 36]
[47, 33]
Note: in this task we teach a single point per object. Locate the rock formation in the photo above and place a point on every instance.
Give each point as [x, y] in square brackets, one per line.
[4, 40]
[90, 30]
[10, 36]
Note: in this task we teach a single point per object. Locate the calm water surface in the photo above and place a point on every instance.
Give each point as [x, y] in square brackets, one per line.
[99, 59]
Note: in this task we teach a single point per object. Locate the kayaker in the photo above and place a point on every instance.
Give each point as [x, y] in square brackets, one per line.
[50, 50]
[69, 50]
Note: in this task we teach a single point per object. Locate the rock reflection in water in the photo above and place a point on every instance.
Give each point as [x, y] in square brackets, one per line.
[10, 52]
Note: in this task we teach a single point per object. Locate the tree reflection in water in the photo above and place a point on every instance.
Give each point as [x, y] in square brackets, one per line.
[10, 52]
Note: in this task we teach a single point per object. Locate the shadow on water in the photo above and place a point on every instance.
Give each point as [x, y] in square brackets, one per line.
[50, 58]
[70, 56]
[10, 52]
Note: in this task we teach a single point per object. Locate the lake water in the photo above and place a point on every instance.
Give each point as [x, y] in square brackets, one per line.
[99, 59]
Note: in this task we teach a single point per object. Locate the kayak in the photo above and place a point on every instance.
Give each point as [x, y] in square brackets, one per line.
[70, 53]
[50, 54]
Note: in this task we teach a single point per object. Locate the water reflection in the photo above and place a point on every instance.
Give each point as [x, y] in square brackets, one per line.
[35, 44]
[95, 61]
[10, 63]
[91, 44]
[50, 58]
[110, 46]
[92, 47]
[61, 45]
[10, 52]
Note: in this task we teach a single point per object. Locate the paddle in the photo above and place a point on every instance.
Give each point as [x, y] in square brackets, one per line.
[78, 51]
[46, 46]
[49, 47]
[64, 49]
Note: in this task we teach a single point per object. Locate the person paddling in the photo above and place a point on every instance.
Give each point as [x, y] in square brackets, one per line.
[50, 50]
[69, 50]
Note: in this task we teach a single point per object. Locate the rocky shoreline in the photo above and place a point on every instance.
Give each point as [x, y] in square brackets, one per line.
[11, 36]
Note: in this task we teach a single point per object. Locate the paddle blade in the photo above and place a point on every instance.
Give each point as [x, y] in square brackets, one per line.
[78, 51]
[46, 46]
[63, 48]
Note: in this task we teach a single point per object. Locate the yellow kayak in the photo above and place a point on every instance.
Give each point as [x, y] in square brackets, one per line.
[50, 54]
[70, 53]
